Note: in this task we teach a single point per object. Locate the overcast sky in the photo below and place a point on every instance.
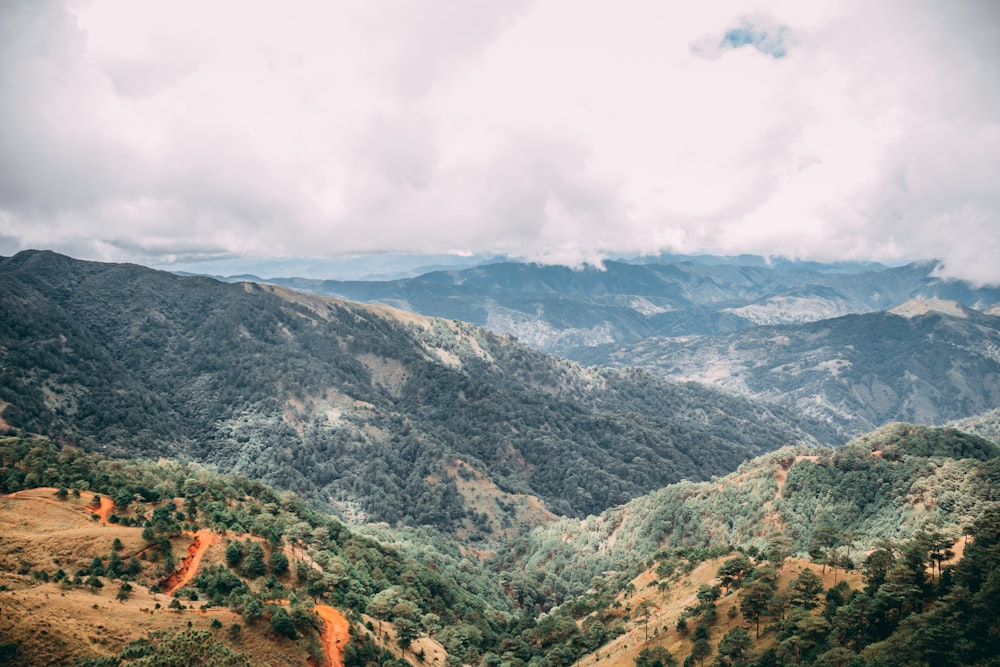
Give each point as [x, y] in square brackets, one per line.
[156, 131]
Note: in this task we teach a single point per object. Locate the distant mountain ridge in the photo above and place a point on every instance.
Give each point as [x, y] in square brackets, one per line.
[558, 309]
[371, 410]
[925, 361]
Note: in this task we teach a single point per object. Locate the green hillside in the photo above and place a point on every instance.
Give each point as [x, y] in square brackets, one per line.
[890, 484]
[361, 409]
[681, 568]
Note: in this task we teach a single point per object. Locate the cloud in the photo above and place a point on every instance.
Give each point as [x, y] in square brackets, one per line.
[557, 130]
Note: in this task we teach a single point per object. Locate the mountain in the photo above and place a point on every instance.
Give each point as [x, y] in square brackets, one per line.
[882, 553]
[558, 309]
[986, 424]
[889, 484]
[381, 414]
[115, 562]
[926, 361]
[383, 266]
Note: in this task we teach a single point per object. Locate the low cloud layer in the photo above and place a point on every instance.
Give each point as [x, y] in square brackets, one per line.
[547, 129]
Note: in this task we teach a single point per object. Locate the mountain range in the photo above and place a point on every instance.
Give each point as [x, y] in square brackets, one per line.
[381, 414]
[563, 310]
[927, 361]
[507, 508]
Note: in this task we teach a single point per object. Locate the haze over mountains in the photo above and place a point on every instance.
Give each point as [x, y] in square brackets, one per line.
[925, 361]
[834, 342]
[558, 309]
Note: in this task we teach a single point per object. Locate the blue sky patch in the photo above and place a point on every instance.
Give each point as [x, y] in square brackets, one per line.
[768, 40]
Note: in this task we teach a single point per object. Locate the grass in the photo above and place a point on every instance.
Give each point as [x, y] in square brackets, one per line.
[56, 624]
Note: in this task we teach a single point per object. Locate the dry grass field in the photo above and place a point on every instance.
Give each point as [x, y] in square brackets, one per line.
[55, 623]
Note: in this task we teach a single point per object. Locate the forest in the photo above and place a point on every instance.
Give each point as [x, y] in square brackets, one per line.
[348, 405]
[912, 591]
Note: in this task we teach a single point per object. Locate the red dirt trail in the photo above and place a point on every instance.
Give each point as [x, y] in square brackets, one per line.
[336, 634]
[104, 510]
[203, 539]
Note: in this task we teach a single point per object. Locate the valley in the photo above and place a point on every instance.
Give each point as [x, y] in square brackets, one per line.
[196, 472]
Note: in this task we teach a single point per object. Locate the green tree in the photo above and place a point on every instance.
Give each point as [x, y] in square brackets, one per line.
[732, 571]
[804, 590]
[277, 563]
[253, 561]
[876, 567]
[282, 625]
[824, 539]
[644, 610]
[700, 650]
[657, 656]
[735, 648]
[406, 632]
[755, 599]
[234, 553]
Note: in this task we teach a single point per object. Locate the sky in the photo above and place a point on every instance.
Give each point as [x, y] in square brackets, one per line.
[560, 131]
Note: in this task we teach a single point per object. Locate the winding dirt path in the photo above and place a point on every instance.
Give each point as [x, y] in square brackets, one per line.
[203, 539]
[336, 634]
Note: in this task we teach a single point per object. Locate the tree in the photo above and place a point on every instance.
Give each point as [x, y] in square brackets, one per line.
[643, 610]
[734, 648]
[731, 572]
[406, 632]
[234, 553]
[876, 567]
[657, 656]
[805, 589]
[253, 561]
[938, 547]
[124, 591]
[278, 563]
[381, 604]
[281, 624]
[701, 650]
[115, 566]
[824, 539]
[707, 595]
[755, 599]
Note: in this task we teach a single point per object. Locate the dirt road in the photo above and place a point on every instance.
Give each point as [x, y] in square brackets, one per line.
[336, 634]
[203, 539]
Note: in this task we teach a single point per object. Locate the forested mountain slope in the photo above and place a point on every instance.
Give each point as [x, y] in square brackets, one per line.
[926, 361]
[695, 569]
[888, 484]
[558, 309]
[372, 410]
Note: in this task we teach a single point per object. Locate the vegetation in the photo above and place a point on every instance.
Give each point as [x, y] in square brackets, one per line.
[359, 409]
[427, 424]
[855, 372]
[834, 503]
[913, 592]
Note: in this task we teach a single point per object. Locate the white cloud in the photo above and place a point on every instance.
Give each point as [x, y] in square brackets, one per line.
[549, 129]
